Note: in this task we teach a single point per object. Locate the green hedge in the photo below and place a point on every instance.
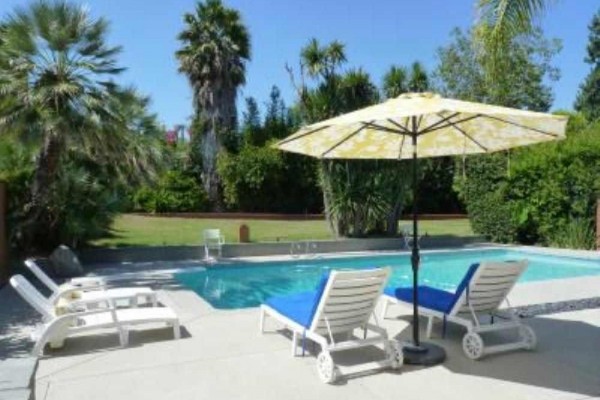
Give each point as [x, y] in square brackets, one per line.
[175, 191]
[263, 179]
[543, 194]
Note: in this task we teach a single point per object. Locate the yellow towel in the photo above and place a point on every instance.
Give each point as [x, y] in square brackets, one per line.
[73, 295]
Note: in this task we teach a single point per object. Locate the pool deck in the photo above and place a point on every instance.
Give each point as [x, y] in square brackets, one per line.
[222, 355]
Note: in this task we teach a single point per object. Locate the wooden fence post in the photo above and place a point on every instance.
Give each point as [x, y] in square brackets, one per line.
[4, 272]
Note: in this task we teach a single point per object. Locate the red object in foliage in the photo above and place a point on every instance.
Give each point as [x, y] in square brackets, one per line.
[171, 137]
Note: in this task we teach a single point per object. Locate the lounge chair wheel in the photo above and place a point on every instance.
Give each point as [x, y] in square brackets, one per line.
[473, 345]
[326, 368]
[395, 354]
[528, 336]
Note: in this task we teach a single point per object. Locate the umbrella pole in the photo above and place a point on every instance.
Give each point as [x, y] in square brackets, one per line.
[415, 258]
[417, 352]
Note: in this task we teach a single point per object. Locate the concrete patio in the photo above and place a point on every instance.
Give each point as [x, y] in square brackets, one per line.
[223, 356]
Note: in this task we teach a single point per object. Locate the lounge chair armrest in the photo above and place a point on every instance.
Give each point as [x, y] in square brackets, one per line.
[83, 304]
[92, 284]
[67, 290]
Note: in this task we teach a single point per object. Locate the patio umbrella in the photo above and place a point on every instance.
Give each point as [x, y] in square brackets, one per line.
[416, 125]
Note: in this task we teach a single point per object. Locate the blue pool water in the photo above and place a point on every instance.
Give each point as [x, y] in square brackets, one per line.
[242, 285]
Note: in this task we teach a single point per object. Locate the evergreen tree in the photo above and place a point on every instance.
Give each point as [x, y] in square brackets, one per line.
[252, 132]
[588, 99]
[276, 124]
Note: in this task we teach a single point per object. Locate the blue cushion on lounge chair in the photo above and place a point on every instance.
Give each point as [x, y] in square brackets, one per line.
[297, 307]
[301, 307]
[429, 297]
[432, 298]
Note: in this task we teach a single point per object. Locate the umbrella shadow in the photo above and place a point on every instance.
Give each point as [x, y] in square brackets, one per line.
[566, 358]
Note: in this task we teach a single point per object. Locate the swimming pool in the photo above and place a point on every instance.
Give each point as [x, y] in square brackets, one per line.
[242, 285]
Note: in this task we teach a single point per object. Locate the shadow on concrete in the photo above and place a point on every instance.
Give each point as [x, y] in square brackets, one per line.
[97, 343]
[17, 320]
[567, 357]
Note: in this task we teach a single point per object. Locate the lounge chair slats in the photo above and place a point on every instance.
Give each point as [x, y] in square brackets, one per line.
[343, 302]
[481, 293]
[358, 299]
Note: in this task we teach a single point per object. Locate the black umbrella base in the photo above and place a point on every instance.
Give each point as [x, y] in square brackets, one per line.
[426, 353]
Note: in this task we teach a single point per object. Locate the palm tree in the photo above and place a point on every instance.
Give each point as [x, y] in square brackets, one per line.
[509, 18]
[500, 22]
[419, 80]
[56, 88]
[214, 52]
[394, 82]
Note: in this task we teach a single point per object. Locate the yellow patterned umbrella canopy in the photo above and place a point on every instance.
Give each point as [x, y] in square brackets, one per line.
[442, 127]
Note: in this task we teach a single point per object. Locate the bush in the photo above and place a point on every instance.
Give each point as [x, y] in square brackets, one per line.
[84, 202]
[175, 191]
[578, 233]
[263, 179]
[552, 184]
[483, 189]
[550, 190]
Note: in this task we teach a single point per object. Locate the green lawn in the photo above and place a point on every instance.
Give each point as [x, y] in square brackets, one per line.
[134, 230]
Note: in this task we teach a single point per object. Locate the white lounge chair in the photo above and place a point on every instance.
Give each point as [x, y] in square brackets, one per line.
[474, 305]
[343, 302]
[55, 328]
[88, 293]
[213, 240]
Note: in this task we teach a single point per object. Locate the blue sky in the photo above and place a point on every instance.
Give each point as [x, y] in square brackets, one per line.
[377, 33]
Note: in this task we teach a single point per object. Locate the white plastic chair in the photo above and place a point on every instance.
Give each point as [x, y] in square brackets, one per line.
[347, 302]
[213, 240]
[407, 236]
[55, 328]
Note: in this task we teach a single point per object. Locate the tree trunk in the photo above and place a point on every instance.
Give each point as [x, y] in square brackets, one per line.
[218, 109]
[46, 167]
[210, 150]
[392, 219]
[335, 225]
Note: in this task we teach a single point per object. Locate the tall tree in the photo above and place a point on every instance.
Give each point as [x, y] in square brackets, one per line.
[251, 128]
[419, 79]
[277, 124]
[588, 98]
[57, 93]
[394, 82]
[507, 19]
[520, 80]
[214, 52]
[359, 196]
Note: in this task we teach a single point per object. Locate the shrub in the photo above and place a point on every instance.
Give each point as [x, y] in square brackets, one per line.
[263, 179]
[549, 189]
[175, 191]
[83, 203]
[554, 183]
[578, 233]
[483, 189]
